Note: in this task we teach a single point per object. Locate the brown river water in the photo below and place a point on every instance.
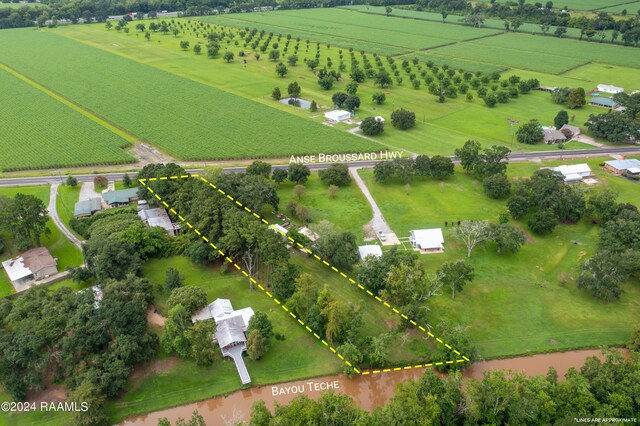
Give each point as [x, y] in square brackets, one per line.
[367, 391]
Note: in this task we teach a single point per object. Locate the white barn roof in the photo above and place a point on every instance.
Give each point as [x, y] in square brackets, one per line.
[337, 115]
[428, 239]
[370, 250]
[279, 229]
[16, 268]
[608, 88]
[573, 169]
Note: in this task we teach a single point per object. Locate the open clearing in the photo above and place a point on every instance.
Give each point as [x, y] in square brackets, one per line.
[188, 120]
[45, 133]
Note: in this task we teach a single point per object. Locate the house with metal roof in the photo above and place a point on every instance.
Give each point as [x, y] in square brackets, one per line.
[608, 88]
[600, 101]
[337, 115]
[573, 173]
[158, 217]
[32, 265]
[231, 327]
[427, 240]
[619, 167]
[369, 250]
[87, 207]
[121, 197]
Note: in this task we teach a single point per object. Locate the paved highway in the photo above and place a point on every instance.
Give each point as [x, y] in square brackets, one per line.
[514, 157]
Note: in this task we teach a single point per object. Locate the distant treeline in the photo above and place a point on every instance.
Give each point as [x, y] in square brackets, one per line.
[100, 10]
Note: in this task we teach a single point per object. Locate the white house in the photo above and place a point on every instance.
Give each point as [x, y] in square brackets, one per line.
[607, 88]
[231, 326]
[369, 250]
[427, 240]
[574, 172]
[337, 115]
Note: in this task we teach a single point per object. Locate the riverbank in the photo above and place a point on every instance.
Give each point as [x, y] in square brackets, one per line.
[367, 391]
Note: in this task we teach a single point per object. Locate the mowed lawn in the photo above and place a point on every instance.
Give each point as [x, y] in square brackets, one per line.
[349, 210]
[57, 244]
[347, 28]
[188, 120]
[40, 132]
[519, 303]
[580, 4]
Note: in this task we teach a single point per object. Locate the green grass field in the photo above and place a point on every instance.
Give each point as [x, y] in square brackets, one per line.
[44, 133]
[547, 54]
[346, 28]
[631, 8]
[518, 303]
[188, 120]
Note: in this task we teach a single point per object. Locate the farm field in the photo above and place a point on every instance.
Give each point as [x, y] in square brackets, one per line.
[631, 8]
[549, 54]
[186, 122]
[597, 73]
[518, 303]
[440, 127]
[493, 23]
[45, 133]
[333, 25]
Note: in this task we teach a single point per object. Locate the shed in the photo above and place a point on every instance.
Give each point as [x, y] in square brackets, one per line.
[633, 170]
[427, 240]
[279, 229]
[337, 115]
[120, 197]
[603, 102]
[87, 207]
[607, 88]
[369, 250]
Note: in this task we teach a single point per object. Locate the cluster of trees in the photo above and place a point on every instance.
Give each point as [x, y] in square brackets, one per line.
[618, 126]
[89, 345]
[405, 169]
[546, 201]
[24, 218]
[618, 255]
[571, 98]
[597, 390]
[488, 165]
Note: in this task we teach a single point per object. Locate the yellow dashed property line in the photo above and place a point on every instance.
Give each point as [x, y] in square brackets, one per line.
[267, 293]
[351, 280]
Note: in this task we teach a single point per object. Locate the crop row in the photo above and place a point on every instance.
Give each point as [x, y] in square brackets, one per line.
[188, 120]
[341, 25]
[39, 132]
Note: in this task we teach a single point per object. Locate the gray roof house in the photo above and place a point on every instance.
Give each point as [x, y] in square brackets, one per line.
[551, 135]
[621, 166]
[87, 207]
[230, 331]
[158, 217]
[574, 130]
[600, 101]
[121, 197]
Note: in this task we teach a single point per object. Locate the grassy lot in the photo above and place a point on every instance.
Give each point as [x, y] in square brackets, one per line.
[45, 133]
[580, 4]
[349, 210]
[631, 8]
[521, 303]
[190, 121]
[59, 246]
[599, 73]
[68, 196]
